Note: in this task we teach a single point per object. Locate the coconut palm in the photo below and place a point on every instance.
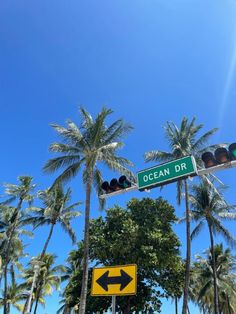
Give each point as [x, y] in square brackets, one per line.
[210, 207]
[72, 271]
[183, 141]
[18, 193]
[55, 210]
[15, 294]
[82, 148]
[49, 277]
[202, 281]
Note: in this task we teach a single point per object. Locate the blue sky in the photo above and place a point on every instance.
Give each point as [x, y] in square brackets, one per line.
[150, 61]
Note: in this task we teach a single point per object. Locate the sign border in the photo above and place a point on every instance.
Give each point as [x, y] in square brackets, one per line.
[117, 294]
[167, 181]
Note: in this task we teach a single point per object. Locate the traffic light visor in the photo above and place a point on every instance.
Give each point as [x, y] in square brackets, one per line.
[208, 159]
[232, 150]
[124, 182]
[106, 187]
[114, 184]
[222, 155]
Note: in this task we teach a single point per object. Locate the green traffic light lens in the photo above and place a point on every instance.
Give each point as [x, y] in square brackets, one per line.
[234, 152]
[232, 149]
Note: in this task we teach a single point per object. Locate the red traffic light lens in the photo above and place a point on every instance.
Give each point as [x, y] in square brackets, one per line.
[208, 159]
[106, 187]
[222, 155]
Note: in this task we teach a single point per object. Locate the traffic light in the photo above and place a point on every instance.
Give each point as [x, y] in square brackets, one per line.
[116, 185]
[221, 156]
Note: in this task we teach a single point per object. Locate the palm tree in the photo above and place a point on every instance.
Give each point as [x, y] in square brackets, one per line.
[18, 193]
[183, 142]
[55, 211]
[202, 281]
[71, 274]
[85, 146]
[209, 206]
[15, 294]
[49, 277]
[15, 252]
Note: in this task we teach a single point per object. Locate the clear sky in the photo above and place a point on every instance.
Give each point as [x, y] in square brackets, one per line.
[151, 61]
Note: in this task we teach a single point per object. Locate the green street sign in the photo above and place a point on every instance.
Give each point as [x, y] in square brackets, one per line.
[166, 173]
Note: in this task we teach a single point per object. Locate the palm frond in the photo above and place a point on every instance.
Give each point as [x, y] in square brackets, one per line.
[203, 139]
[69, 173]
[68, 229]
[197, 230]
[158, 156]
[54, 164]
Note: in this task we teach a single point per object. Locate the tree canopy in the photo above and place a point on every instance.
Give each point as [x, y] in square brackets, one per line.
[139, 234]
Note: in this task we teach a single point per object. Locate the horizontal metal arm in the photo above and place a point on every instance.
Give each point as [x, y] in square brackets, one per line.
[226, 165]
[106, 195]
[201, 172]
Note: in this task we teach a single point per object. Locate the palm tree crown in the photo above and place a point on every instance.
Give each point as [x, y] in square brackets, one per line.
[209, 205]
[182, 141]
[56, 209]
[88, 144]
[202, 282]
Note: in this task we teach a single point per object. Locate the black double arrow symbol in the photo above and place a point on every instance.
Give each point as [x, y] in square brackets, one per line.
[124, 279]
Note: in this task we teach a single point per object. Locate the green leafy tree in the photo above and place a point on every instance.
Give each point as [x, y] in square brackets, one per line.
[210, 207]
[183, 141]
[83, 148]
[142, 235]
[202, 281]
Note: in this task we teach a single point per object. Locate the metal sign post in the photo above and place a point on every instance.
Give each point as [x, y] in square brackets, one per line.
[113, 304]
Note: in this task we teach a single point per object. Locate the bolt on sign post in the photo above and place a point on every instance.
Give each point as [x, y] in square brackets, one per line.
[168, 172]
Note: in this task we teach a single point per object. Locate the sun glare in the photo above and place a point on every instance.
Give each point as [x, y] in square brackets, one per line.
[231, 75]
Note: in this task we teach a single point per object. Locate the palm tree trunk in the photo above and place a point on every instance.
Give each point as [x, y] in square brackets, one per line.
[176, 305]
[84, 288]
[8, 246]
[36, 305]
[228, 304]
[37, 297]
[47, 242]
[188, 251]
[27, 305]
[216, 300]
[5, 289]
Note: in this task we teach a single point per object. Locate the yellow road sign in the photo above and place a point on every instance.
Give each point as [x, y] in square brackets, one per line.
[114, 280]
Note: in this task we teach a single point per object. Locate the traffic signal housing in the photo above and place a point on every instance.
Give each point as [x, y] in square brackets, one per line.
[221, 156]
[116, 185]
